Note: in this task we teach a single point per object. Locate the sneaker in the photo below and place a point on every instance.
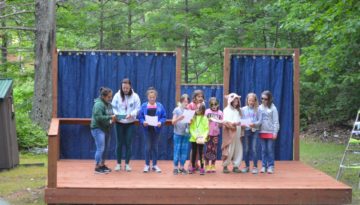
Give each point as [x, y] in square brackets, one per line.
[156, 169]
[263, 170]
[213, 169]
[226, 170]
[191, 170]
[208, 168]
[236, 170]
[202, 171]
[146, 169]
[105, 168]
[127, 168]
[117, 167]
[99, 170]
[254, 170]
[245, 170]
[270, 170]
[183, 171]
[175, 171]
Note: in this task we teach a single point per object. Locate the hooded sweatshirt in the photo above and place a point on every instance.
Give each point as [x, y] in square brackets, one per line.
[269, 119]
[128, 106]
[101, 115]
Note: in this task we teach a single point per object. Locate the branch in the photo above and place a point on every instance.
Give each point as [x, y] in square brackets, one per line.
[16, 13]
[18, 28]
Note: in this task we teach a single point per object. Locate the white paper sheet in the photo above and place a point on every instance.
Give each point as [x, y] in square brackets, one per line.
[245, 122]
[216, 120]
[188, 115]
[151, 120]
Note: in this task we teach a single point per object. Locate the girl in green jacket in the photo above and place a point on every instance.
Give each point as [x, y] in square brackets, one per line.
[199, 129]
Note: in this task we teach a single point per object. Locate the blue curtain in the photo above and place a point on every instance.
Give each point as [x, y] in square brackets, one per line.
[209, 91]
[81, 74]
[274, 73]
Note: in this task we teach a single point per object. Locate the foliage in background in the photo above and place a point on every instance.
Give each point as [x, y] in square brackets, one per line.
[29, 134]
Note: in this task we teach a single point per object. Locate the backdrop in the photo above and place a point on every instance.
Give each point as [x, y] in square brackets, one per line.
[274, 73]
[81, 74]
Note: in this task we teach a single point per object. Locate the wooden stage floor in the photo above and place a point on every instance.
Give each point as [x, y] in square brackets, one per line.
[292, 183]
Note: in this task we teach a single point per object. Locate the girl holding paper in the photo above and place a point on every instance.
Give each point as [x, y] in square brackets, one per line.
[181, 136]
[149, 110]
[126, 106]
[231, 147]
[251, 112]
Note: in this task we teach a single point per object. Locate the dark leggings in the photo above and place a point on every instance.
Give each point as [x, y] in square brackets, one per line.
[195, 148]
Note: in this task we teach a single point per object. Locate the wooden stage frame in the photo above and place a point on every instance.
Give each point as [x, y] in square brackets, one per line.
[74, 181]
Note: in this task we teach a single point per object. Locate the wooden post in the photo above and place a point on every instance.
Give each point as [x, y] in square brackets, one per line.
[53, 154]
[226, 73]
[54, 83]
[178, 74]
[296, 105]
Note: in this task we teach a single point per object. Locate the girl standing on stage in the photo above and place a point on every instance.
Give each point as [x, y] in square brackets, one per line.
[251, 111]
[269, 120]
[212, 113]
[152, 133]
[181, 136]
[101, 121]
[199, 129]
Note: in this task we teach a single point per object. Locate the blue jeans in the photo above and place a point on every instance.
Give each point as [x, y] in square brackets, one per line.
[267, 152]
[102, 141]
[181, 148]
[151, 146]
[250, 139]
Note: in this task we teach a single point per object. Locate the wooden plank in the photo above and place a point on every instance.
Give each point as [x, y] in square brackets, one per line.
[120, 51]
[54, 82]
[178, 75]
[261, 49]
[86, 121]
[296, 88]
[196, 196]
[226, 76]
[53, 153]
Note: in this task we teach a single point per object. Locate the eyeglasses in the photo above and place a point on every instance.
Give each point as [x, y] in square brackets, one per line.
[213, 104]
[265, 99]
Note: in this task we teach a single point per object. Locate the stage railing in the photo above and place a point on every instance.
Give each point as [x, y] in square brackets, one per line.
[54, 143]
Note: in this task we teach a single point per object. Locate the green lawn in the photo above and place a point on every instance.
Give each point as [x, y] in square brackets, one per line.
[326, 157]
[25, 185]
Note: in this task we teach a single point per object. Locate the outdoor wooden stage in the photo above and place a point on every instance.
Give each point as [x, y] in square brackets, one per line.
[292, 183]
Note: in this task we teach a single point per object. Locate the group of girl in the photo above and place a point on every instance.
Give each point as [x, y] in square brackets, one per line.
[202, 132]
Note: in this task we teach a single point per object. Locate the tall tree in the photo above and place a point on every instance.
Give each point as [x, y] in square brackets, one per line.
[44, 48]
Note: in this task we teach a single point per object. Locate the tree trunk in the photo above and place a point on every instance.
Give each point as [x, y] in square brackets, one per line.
[101, 31]
[44, 48]
[186, 46]
[4, 37]
[129, 24]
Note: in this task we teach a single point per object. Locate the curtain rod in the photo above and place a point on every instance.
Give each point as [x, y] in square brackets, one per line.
[193, 84]
[123, 51]
[252, 54]
[261, 49]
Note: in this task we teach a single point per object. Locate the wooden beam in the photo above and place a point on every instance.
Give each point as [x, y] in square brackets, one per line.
[226, 73]
[54, 82]
[296, 134]
[178, 75]
[53, 153]
[120, 51]
[86, 121]
[261, 49]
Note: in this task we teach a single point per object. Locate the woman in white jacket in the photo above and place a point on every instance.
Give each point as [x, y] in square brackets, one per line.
[231, 147]
[126, 106]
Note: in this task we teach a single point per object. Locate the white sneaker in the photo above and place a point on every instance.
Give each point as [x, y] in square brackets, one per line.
[263, 170]
[156, 169]
[146, 169]
[117, 167]
[270, 170]
[127, 168]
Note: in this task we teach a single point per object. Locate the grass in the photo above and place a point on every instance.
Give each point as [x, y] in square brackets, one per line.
[25, 185]
[326, 157]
